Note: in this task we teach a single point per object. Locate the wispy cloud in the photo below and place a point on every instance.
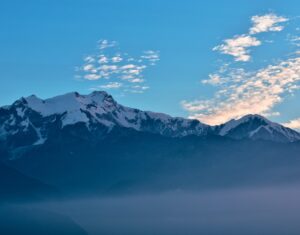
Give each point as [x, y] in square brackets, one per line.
[138, 89]
[239, 46]
[214, 79]
[104, 43]
[121, 69]
[152, 56]
[242, 91]
[111, 85]
[295, 40]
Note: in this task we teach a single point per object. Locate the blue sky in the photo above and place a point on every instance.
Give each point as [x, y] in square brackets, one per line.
[176, 51]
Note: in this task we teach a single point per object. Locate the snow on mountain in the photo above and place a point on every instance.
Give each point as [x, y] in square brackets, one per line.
[230, 125]
[34, 115]
[30, 120]
[101, 107]
[72, 104]
[257, 127]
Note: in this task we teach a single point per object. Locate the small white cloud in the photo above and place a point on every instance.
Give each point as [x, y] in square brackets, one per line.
[92, 76]
[111, 85]
[214, 79]
[137, 80]
[295, 40]
[89, 59]
[266, 23]
[271, 114]
[151, 56]
[196, 106]
[133, 71]
[116, 59]
[128, 66]
[88, 67]
[238, 47]
[108, 67]
[138, 89]
[103, 44]
[127, 77]
[103, 59]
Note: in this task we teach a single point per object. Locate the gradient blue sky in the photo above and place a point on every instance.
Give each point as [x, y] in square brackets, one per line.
[43, 43]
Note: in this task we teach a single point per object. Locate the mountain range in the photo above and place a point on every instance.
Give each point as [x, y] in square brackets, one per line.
[31, 120]
[91, 144]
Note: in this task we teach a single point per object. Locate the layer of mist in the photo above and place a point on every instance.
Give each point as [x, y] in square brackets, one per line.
[247, 211]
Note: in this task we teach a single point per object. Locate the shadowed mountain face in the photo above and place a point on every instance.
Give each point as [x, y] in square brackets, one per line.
[17, 186]
[129, 161]
[91, 144]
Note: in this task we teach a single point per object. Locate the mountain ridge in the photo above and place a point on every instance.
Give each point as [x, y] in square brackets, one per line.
[31, 119]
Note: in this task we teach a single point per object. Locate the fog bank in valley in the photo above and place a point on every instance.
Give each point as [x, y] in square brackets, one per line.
[268, 211]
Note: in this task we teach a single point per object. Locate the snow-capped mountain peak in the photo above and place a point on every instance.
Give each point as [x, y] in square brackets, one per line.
[73, 106]
[233, 123]
[254, 126]
[100, 107]
[95, 111]
[66, 103]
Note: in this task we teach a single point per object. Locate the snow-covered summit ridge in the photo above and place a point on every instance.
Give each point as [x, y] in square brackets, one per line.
[99, 110]
[255, 126]
[65, 103]
[100, 107]
[233, 123]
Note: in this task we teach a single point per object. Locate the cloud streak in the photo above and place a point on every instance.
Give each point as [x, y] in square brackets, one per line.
[111, 85]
